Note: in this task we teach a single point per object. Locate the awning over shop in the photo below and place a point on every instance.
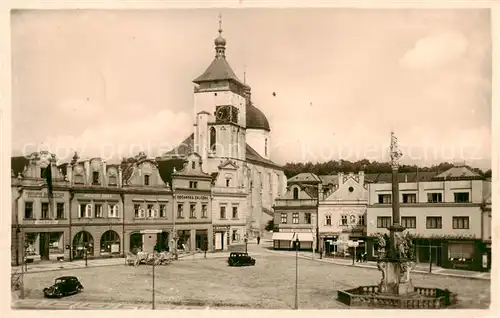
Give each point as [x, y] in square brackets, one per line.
[282, 236]
[304, 237]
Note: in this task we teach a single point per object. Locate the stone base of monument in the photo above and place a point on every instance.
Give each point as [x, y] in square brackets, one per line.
[396, 290]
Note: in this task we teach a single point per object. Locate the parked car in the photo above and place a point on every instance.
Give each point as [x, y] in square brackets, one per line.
[63, 286]
[240, 259]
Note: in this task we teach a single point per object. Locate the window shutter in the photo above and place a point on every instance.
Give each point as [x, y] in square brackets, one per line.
[109, 211]
[141, 213]
[80, 212]
[155, 213]
[88, 210]
[115, 210]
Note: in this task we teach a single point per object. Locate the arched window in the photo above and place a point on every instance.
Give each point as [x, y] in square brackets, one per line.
[265, 148]
[295, 193]
[213, 138]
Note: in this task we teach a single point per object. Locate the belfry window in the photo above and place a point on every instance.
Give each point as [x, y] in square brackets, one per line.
[265, 148]
[213, 138]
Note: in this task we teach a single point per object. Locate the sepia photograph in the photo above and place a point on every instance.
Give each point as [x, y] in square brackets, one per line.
[252, 158]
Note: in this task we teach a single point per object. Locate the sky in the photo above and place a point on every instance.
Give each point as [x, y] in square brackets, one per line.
[113, 83]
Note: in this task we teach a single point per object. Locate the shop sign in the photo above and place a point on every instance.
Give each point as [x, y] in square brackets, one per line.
[46, 222]
[115, 248]
[221, 228]
[39, 194]
[191, 197]
[97, 195]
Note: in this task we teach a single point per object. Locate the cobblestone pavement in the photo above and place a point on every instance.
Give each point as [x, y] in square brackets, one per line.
[195, 282]
[420, 268]
[79, 305]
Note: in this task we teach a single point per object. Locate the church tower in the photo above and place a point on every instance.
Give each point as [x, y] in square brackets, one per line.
[219, 110]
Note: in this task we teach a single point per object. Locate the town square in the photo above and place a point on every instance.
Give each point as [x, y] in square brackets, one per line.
[170, 178]
[270, 284]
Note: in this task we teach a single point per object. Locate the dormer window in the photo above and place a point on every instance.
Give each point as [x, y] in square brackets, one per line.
[228, 182]
[95, 177]
[193, 184]
[193, 165]
[295, 193]
[146, 180]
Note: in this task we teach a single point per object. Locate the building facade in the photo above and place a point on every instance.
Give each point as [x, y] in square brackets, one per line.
[444, 215]
[295, 214]
[342, 213]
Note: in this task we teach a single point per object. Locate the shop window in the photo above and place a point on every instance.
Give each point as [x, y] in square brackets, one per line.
[110, 242]
[56, 243]
[235, 235]
[28, 210]
[461, 251]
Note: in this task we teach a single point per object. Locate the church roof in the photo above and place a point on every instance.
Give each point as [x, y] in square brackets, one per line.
[305, 177]
[256, 118]
[187, 146]
[218, 70]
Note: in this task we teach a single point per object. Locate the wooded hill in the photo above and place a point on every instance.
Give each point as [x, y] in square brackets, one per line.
[336, 166]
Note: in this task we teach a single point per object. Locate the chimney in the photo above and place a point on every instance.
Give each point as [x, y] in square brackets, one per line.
[69, 172]
[104, 177]
[361, 177]
[340, 176]
[87, 171]
[120, 181]
[406, 177]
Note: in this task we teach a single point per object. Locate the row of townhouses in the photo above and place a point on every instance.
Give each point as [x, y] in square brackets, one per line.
[448, 214]
[224, 189]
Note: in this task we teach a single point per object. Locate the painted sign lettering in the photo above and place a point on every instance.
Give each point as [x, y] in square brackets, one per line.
[191, 197]
[39, 194]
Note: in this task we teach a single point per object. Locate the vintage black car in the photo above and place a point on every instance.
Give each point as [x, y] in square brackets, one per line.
[63, 286]
[240, 259]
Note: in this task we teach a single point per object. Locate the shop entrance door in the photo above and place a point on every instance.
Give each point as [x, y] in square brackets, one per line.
[44, 246]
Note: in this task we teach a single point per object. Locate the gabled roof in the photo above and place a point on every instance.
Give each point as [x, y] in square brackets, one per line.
[458, 172]
[183, 149]
[305, 177]
[228, 164]
[329, 179]
[218, 70]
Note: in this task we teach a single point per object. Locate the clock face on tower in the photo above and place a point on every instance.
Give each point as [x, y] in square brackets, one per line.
[223, 113]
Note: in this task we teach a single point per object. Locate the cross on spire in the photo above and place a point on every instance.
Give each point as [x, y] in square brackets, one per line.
[220, 23]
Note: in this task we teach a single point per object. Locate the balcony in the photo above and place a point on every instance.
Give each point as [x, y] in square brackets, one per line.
[295, 203]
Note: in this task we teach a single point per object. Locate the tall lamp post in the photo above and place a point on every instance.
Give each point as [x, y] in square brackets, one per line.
[296, 272]
[154, 262]
[246, 244]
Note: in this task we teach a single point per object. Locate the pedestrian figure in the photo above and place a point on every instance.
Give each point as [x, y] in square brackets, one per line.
[258, 240]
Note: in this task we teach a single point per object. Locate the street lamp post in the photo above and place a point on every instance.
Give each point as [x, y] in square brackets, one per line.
[296, 272]
[154, 261]
[246, 244]
[86, 247]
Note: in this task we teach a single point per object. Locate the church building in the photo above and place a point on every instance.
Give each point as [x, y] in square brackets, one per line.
[232, 138]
